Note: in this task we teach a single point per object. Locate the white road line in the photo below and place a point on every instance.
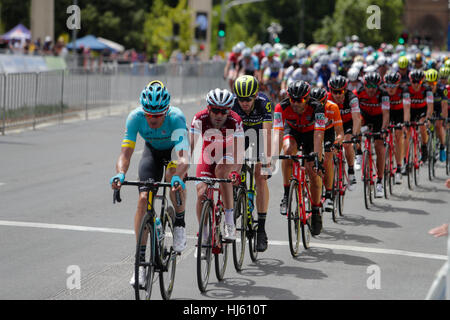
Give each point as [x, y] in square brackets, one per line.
[272, 242]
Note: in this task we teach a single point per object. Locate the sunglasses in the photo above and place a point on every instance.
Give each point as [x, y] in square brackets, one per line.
[417, 81]
[246, 99]
[391, 85]
[371, 86]
[339, 92]
[433, 83]
[219, 110]
[154, 116]
[300, 100]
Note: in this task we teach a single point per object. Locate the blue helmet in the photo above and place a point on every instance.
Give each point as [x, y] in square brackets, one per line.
[155, 98]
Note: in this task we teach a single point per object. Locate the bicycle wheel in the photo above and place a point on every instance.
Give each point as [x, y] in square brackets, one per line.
[204, 246]
[417, 155]
[430, 147]
[367, 180]
[145, 238]
[336, 192]
[306, 227]
[410, 164]
[240, 219]
[220, 250]
[252, 228]
[167, 255]
[345, 183]
[387, 174]
[293, 219]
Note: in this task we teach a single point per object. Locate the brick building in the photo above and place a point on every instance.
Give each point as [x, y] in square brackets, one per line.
[427, 20]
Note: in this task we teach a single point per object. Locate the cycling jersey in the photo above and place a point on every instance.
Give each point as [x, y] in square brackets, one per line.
[310, 76]
[332, 115]
[312, 118]
[216, 138]
[350, 105]
[249, 65]
[275, 65]
[372, 106]
[172, 133]
[261, 113]
[400, 98]
[234, 59]
[439, 96]
[420, 99]
[354, 87]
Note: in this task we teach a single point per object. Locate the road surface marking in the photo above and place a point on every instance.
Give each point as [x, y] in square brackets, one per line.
[272, 242]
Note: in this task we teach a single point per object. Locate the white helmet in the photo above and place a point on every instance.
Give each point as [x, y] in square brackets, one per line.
[247, 52]
[353, 74]
[220, 98]
[257, 48]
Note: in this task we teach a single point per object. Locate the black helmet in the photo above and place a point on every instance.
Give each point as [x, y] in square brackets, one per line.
[299, 90]
[392, 78]
[372, 78]
[338, 83]
[320, 94]
[416, 75]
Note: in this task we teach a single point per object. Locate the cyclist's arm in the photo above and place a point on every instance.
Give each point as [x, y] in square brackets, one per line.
[430, 104]
[123, 163]
[385, 106]
[278, 132]
[318, 143]
[406, 107]
[267, 127]
[444, 105]
[356, 115]
[182, 163]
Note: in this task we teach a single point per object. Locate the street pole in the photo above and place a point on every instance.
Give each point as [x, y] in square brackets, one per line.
[74, 39]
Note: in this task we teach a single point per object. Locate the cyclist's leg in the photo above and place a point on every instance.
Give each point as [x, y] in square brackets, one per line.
[151, 166]
[328, 159]
[348, 148]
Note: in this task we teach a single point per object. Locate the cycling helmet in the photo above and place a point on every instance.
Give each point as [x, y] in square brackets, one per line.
[372, 78]
[257, 48]
[431, 75]
[247, 52]
[337, 83]
[403, 62]
[431, 64]
[392, 78]
[155, 98]
[320, 94]
[353, 74]
[444, 72]
[271, 53]
[246, 86]
[416, 75]
[299, 89]
[220, 98]
[418, 58]
[381, 61]
[370, 60]
[447, 63]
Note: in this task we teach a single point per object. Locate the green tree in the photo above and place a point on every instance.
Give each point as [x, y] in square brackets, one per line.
[350, 17]
[12, 13]
[158, 28]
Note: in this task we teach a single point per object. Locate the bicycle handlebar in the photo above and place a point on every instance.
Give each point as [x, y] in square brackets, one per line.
[148, 184]
[207, 180]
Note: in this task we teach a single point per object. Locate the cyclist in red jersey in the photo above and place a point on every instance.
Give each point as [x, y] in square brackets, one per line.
[334, 135]
[300, 121]
[351, 118]
[374, 105]
[230, 70]
[421, 105]
[222, 137]
[399, 97]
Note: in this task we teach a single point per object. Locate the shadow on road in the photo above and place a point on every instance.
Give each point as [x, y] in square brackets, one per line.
[314, 255]
[390, 208]
[357, 220]
[333, 234]
[231, 288]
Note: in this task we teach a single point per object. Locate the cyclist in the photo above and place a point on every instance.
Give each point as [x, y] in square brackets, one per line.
[230, 71]
[270, 71]
[403, 69]
[398, 98]
[354, 83]
[324, 72]
[374, 105]
[219, 154]
[304, 73]
[418, 61]
[351, 117]
[255, 110]
[421, 105]
[334, 135]
[300, 121]
[163, 127]
[440, 108]
[248, 64]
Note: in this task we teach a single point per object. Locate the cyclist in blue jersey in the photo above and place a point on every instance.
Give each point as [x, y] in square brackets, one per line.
[163, 127]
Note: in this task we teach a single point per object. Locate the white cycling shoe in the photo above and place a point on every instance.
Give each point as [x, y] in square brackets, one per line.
[141, 278]
[179, 239]
[230, 232]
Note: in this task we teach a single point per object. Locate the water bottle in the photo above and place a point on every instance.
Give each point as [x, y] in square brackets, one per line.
[251, 200]
[159, 232]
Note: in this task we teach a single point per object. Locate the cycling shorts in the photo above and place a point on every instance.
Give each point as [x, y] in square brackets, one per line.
[348, 127]
[151, 165]
[328, 140]
[396, 116]
[417, 114]
[304, 140]
[375, 122]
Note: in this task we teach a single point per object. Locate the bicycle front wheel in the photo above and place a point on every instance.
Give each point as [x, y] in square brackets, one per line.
[204, 246]
[305, 227]
[367, 180]
[168, 257]
[240, 219]
[293, 215]
[144, 291]
[221, 250]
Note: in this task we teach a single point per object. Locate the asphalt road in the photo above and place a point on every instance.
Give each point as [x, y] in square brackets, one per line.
[57, 220]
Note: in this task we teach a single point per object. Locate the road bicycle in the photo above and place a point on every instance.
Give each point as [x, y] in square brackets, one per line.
[210, 238]
[153, 233]
[245, 218]
[413, 154]
[433, 147]
[299, 210]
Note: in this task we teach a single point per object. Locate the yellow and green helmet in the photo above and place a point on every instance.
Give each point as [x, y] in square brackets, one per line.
[403, 62]
[431, 75]
[246, 86]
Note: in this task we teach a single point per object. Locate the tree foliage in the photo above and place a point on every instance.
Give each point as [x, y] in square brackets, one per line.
[350, 17]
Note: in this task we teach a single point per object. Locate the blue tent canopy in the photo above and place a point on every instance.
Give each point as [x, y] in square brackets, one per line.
[88, 41]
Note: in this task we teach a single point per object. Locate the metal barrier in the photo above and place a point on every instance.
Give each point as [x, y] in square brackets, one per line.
[27, 99]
